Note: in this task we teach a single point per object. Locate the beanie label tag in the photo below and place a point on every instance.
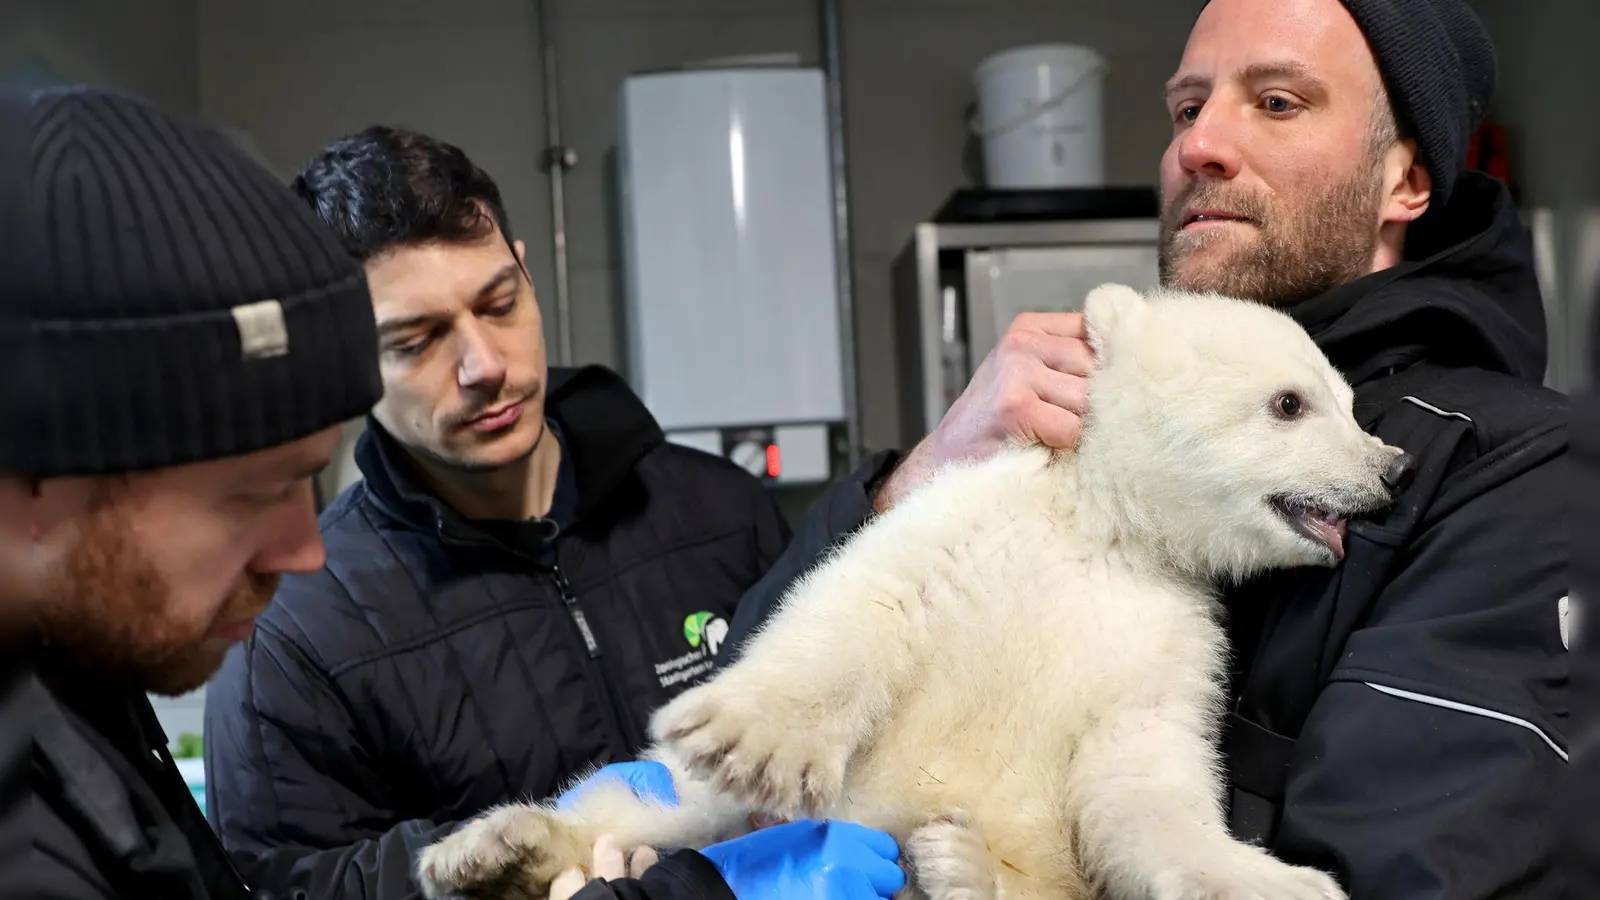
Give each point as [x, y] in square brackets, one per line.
[263, 334]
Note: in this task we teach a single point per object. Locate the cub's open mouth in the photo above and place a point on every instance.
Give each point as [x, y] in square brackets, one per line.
[1314, 523]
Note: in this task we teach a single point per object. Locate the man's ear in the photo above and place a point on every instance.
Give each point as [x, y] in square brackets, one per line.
[1109, 312]
[1410, 185]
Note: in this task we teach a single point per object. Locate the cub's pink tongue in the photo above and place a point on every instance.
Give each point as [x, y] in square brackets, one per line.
[1330, 529]
[1336, 537]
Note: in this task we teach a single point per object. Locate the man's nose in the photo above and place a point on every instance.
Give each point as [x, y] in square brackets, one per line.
[481, 361]
[1210, 145]
[297, 540]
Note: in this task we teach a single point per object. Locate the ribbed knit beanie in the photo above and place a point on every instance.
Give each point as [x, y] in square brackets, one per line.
[179, 303]
[1438, 64]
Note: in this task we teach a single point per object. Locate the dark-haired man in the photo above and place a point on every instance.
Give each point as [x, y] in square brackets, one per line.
[1399, 721]
[525, 572]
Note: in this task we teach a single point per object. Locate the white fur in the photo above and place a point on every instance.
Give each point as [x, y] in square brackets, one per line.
[1018, 670]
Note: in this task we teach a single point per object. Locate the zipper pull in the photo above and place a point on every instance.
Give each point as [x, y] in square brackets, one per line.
[578, 617]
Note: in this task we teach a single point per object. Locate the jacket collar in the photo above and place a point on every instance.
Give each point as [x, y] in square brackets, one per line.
[101, 753]
[1466, 294]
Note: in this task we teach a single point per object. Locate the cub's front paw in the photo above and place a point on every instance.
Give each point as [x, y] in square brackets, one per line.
[772, 755]
[513, 852]
[948, 860]
[1246, 873]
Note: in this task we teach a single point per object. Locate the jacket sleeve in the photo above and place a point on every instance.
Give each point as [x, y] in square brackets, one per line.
[289, 788]
[683, 875]
[1584, 794]
[771, 530]
[1430, 765]
[829, 522]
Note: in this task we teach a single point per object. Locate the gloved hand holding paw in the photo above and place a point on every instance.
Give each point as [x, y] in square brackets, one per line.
[649, 780]
[826, 860]
[812, 859]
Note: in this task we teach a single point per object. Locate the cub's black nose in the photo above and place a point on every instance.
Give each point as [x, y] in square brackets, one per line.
[1400, 472]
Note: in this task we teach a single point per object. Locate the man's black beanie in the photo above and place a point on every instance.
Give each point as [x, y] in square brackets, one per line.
[1438, 64]
[177, 303]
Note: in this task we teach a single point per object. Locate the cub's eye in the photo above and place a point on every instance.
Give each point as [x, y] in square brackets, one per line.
[1288, 405]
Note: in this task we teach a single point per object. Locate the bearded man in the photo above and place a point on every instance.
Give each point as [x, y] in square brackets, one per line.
[193, 340]
[1399, 721]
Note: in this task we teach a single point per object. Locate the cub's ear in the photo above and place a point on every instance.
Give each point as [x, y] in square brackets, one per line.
[1109, 313]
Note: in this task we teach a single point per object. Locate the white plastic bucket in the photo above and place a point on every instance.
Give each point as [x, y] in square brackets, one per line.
[1039, 115]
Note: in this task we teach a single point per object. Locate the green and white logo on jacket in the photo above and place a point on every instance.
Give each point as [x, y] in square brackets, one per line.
[704, 632]
[706, 627]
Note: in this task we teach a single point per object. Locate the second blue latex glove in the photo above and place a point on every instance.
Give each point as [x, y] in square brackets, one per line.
[648, 780]
[810, 860]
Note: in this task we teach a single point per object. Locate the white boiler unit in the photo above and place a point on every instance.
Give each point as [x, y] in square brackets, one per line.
[731, 290]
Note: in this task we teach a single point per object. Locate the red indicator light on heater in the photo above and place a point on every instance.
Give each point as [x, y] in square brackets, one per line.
[774, 463]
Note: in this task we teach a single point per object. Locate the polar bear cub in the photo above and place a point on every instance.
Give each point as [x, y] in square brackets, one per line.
[1018, 671]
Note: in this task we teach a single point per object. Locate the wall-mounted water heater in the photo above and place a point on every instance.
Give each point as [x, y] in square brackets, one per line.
[731, 286]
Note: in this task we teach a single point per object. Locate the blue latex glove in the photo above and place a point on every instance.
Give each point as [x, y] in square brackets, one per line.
[810, 860]
[649, 780]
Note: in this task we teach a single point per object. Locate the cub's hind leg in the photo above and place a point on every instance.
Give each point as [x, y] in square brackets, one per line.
[1147, 788]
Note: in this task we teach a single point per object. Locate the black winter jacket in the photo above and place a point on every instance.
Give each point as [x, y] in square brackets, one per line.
[1401, 720]
[111, 817]
[435, 667]
[1583, 797]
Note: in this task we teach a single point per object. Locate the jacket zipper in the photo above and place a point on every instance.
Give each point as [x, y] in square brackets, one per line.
[615, 709]
[574, 610]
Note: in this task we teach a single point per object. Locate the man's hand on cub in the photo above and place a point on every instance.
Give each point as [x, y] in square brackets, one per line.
[610, 862]
[1032, 388]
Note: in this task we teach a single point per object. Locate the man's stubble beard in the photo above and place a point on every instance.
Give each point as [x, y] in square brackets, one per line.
[441, 455]
[107, 609]
[1294, 255]
[465, 464]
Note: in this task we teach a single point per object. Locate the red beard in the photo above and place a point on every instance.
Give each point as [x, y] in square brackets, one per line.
[108, 609]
